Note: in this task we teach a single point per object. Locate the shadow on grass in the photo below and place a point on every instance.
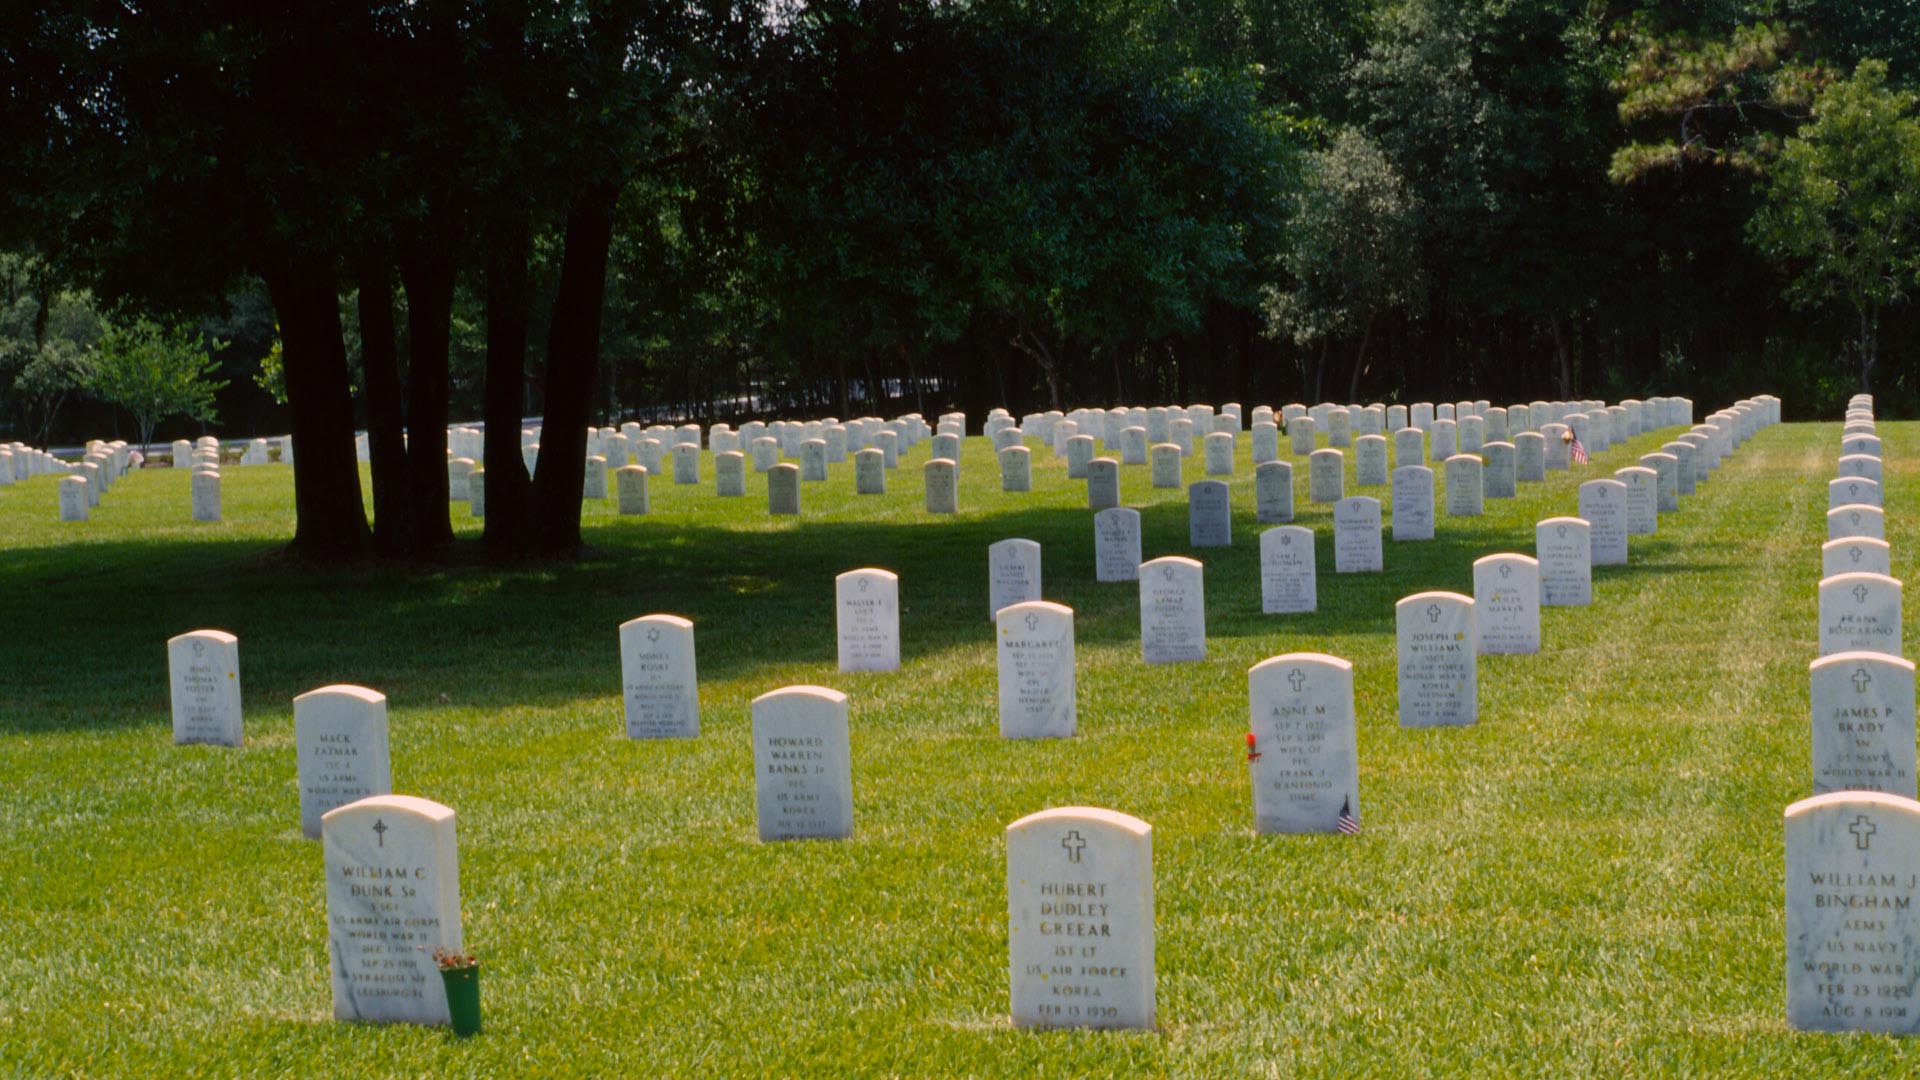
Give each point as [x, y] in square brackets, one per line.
[91, 620]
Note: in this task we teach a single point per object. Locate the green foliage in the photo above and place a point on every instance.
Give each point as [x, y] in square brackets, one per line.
[154, 372]
[272, 376]
[1842, 202]
[1351, 244]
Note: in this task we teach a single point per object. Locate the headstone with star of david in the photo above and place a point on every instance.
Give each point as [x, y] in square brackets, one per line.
[1438, 669]
[802, 764]
[1036, 667]
[341, 750]
[1852, 922]
[1856, 553]
[1288, 582]
[867, 607]
[658, 678]
[203, 674]
[1860, 612]
[1356, 536]
[1305, 760]
[1863, 729]
[1173, 610]
[393, 896]
[1080, 919]
[1506, 604]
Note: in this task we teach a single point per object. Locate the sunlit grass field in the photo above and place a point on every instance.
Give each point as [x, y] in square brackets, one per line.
[1588, 882]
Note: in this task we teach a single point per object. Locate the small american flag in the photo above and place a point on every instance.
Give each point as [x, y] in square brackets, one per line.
[1348, 823]
[1577, 452]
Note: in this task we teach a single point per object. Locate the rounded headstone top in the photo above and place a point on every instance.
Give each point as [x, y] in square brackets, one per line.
[347, 690]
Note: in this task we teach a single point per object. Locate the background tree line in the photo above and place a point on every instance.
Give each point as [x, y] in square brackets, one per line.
[592, 210]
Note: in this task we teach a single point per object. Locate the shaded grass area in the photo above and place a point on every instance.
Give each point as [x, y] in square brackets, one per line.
[1589, 880]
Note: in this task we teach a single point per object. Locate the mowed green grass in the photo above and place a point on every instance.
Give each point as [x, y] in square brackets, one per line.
[1587, 882]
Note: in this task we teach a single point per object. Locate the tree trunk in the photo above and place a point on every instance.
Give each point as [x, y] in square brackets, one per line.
[507, 486]
[330, 520]
[1360, 361]
[386, 423]
[573, 352]
[427, 271]
[1564, 355]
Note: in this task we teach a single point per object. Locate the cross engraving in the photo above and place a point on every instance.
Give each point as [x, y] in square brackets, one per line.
[1506, 571]
[1860, 680]
[1860, 594]
[1854, 553]
[1033, 621]
[1862, 830]
[380, 831]
[1560, 531]
[1074, 845]
[1166, 572]
[1433, 613]
[1297, 679]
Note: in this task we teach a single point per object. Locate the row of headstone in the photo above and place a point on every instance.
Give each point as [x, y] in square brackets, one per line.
[1853, 847]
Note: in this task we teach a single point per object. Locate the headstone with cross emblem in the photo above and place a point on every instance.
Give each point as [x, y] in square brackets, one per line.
[867, 603]
[1866, 466]
[1603, 504]
[340, 741]
[1265, 436]
[1016, 469]
[1288, 582]
[1013, 574]
[869, 472]
[1209, 514]
[1409, 447]
[1856, 553]
[783, 489]
[1856, 519]
[1860, 612]
[803, 770]
[1438, 670]
[1116, 544]
[1666, 488]
[1566, 563]
[1356, 535]
[1080, 919]
[1173, 610]
[1686, 470]
[393, 896]
[1852, 928]
[1305, 760]
[1643, 499]
[1466, 485]
[1300, 433]
[1863, 729]
[1506, 604]
[658, 678]
[1273, 492]
[1165, 468]
[1035, 644]
[1103, 483]
[1326, 476]
[1217, 454]
[1442, 438]
[1852, 490]
[1412, 503]
[1499, 481]
[203, 673]
[1370, 461]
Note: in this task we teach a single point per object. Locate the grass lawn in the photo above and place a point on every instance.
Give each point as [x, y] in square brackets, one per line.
[1587, 882]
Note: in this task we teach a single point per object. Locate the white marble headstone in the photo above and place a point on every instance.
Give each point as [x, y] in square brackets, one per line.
[1856, 554]
[1273, 492]
[868, 605]
[393, 896]
[1563, 546]
[1506, 604]
[659, 678]
[1013, 574]
[1860, 612]
[340, 741]
[802, 763]
[1853, 939]
[1413, 503]
[1863, 730]
[1305, 755]
[1036, 670]
[1080, 919]
[203, 671]
[1603, 504]
[1438, 680]
[1116, 544]
[1356, 535]
[1173, 615]
[1288, 583]
[1209, 514]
